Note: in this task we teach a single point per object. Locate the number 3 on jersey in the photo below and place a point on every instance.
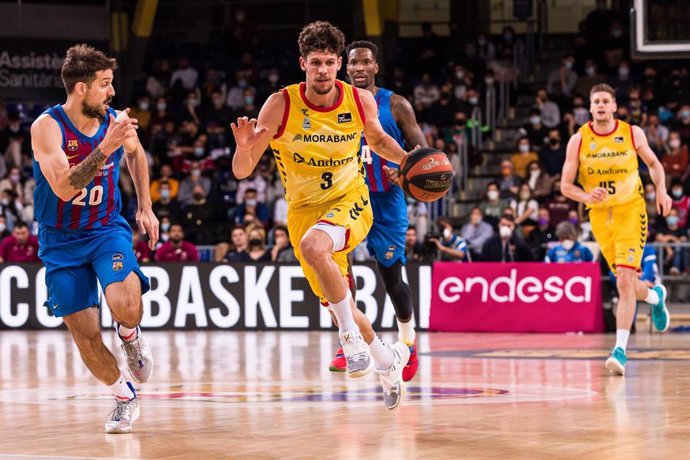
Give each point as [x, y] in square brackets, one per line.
[327, 179]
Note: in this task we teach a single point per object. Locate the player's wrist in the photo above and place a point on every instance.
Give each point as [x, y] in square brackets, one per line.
[243, 150]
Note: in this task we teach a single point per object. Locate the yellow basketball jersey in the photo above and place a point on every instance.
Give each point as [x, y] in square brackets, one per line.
[317, 148]
[610, 161]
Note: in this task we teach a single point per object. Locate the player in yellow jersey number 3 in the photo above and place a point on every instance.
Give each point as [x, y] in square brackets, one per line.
[314, 129]
[603, 156]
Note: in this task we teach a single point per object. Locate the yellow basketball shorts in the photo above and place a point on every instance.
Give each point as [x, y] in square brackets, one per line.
[353, 212]
[621, 232]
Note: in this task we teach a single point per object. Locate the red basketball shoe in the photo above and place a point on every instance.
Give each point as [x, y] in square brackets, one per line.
[412, 364]
[339, 364]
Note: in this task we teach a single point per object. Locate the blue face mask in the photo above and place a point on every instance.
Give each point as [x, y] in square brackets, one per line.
[672, 220]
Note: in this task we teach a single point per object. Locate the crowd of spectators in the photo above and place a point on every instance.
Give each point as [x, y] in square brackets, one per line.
[185, 104]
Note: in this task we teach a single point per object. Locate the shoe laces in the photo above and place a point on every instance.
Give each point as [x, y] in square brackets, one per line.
[121, 411]
[134, 345]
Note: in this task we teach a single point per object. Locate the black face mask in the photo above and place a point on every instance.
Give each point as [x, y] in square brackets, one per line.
[255, 242]
[554, 142]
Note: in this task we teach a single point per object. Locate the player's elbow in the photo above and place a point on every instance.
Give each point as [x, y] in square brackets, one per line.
[240, 173]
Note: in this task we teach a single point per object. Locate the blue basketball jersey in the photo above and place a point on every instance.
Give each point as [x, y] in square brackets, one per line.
[95, 205]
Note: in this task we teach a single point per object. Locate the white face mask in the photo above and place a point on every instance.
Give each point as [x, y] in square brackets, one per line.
[590, 71]
[524, 196]
[568, 244]
[459, 75]
[492, 195]
[505, 231]
[524, 148]
[535, 120]
[447, 233]
[473, 100]
[2, 228]
[674, 144]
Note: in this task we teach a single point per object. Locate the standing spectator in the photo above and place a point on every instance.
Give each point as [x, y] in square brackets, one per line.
[282, 250]
[569, 249]
[19, 247]
[524, 156]
[550, 113]
[166, 205]
[509, 182]
[476, 232]
[414, 249]
[177, 249]
[493, 205]
[451, 246]
[507, 246]
[675, 160]
[561, 82]
[542, 235]
[552, 155]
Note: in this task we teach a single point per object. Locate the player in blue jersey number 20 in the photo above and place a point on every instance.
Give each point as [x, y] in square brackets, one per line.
[83, 239]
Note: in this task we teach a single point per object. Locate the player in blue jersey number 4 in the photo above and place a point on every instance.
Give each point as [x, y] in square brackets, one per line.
[83, 239]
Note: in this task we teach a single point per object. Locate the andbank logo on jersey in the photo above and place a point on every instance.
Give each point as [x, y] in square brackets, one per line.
[516, 297]
[321, 162]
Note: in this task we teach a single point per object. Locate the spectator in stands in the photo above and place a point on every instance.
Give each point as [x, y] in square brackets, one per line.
[282, 250]
[669, 232]
[657, 134]
[476, 232]
[558, 205]
[509, 182]
[218, 113]
[251, 205]
[185, 74]
[650, 203]
[160, 113]
[506, 246]
[493, 205]
[525, 207]
[442, 111]
[676, 92]
[4, 231]
[552, 154]
[425, 93]
[682, 124]
[534, 130]
[11, 207]
[542, 235]
[141, 248]
[561, 82]
[622, 82]
[14, 140]
[166, 205]
[237, 251]
[675, 159]
[165, 176]
[280, 210]
[580, 111]
[485, 49]
[199, 218]
[254, 181]
[590, 78]
[471, 61]
[189, 184]
[636, 107]
[257, 245]
[681, 202]
[177, 249]
[414, 249]
[524, 156]
[616, 47]
[418, 215]
[20, 247]
[452, 247]
[550, 113]
[164, 234]
[539, 182]
[569, 249]
[157, 80]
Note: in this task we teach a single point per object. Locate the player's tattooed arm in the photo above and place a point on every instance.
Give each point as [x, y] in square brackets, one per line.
[83, 173]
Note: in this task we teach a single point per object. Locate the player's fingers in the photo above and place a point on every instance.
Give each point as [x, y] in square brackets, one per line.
[252, 122]
[127, 110]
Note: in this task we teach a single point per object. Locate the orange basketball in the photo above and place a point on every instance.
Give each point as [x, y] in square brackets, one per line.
[426, 174]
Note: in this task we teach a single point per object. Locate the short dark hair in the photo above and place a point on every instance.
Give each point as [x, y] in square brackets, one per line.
[602, 87]
[81, 64]
[21, 224]
[363, 44]
[508, 217]
[321, 36]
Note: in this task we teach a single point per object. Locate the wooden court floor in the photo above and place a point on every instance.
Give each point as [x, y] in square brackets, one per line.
[270, 395]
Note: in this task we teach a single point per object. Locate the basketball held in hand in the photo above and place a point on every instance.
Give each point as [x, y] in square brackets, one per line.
[426, 174]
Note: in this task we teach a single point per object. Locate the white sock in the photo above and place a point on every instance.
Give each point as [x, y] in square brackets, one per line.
[121, 390]
[622, 338]
[652, 297]
[406, 332]
[127, 334]
[343, 313]
[383, 355]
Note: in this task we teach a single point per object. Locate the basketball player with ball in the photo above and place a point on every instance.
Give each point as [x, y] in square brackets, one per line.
[314, 130]
[386, 239]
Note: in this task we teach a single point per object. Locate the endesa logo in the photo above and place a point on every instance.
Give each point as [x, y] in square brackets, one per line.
[511, 288]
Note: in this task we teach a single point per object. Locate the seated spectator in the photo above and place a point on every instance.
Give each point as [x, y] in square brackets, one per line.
[237, 252]
[20, 247]
[676, 258]
[680, 201]
[476, 232]
[506, 246]
[493, 205]
[282, 250]
[425, 93]
[525, 207]
[164, 232]
[622, 82]
[558, 205]
[636, 107]
[280, 210]
[550, 113]
[569, 249]
[251, 205]
[682, 123]
[4, 231]
[539, 182]
[254, 181]
[141, 248]
[542, 235]
[580, 111]
[414, 249]
[199, 218]
[524, 156]
[534, 130]
[166, 205]
[509, 182]
[257, 245]
[186, 194]
[675, 160]
[590, 78]
[552, 154]
[650, 203]
[165, 176]
[451, 246]
[177, 249]
[561, 82]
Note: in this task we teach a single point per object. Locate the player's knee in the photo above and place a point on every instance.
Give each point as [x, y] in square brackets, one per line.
[625, 280]
[313, 249]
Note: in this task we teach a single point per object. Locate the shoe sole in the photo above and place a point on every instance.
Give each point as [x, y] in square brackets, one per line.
[116, 430]
[336, 369]
[363, 372]
[615, 367]
[668, 315]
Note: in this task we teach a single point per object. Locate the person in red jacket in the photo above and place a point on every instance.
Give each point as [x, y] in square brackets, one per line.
[20, 246]
[176, 249]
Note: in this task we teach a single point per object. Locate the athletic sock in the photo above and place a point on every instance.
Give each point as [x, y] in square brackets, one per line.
[127, 334]
[622, 338]
[383, 354]
[343, 313]
[652, 297]
[122, 389]
[406, 333]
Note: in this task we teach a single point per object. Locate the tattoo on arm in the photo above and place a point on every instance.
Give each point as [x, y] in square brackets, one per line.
[84, 172]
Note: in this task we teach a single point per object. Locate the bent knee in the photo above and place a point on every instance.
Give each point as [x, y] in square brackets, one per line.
[316, 248]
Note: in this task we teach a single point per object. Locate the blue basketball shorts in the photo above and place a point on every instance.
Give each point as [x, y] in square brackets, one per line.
[386, 239]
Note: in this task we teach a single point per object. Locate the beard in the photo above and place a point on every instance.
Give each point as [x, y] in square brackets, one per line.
[93, 111]
[321, 91]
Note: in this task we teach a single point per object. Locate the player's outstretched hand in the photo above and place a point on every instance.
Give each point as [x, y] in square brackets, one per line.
[245, 132]
[598, 195]
[148, 225]
[663, 203]
[119, 130]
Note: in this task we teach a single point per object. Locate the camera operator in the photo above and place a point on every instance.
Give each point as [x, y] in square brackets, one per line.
[451, 247]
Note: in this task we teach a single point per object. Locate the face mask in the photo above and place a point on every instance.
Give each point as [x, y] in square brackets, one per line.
[144, 106]
[489, 81]
[15, 178]
[273, 78]
[475, 219]
[473, 100]
[165, 227]
[568, 244]
[573, 220]
[674, 144]
[554, 142]
[4, 201]
[447, 233]
[542, 222]
[534, 172]
[192, 102]
[199, 151]
[195, 172]
[459, 75]
[505, 231]
[616, 33]
[589, 71]
[249, 100]
[672, 221]
[524, 196]
[165, 194]
[492, 195]
[255, 242]
[161, 106]
[651, 196]
[677, 192]
[568, 65]
[241, 83]
[685, 113]
[623, 72]
[524, 148]
[198, 196]
[251, 202]
[535, 120]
